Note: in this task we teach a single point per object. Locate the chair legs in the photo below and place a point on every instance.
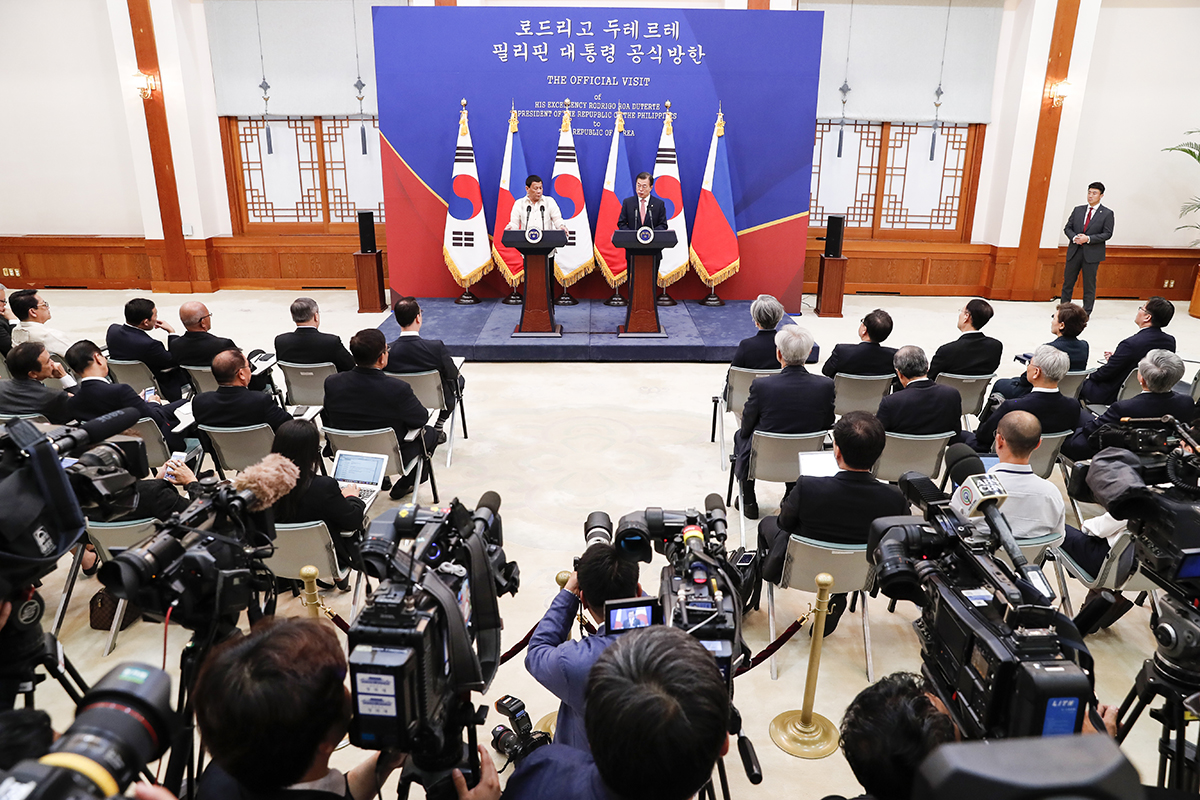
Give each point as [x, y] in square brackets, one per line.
[432, 482]
[1062, 588]
[721, 429]
[76, 564]
[867, 637]
[742, 511]
[450, 437]
[462, 414]
[771, 625]
[116, 626]
[712, 437]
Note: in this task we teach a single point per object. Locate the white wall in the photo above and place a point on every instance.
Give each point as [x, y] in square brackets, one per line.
[65, 160]
[1142, 95]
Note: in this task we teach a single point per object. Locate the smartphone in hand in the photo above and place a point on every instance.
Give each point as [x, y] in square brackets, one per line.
[178, 456]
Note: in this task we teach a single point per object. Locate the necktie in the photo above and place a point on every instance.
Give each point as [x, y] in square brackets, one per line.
[643, 211]
[1088, 221]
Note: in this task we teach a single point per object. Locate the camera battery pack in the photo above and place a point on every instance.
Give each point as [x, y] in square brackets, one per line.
[1049, 699]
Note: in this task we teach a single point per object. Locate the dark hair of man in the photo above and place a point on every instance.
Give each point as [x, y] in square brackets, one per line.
[265, 702]
[1073, 318]
[138, 310]
[532, 179]
[1096, 185]
[656, 715]
[24, 733]
[1160, 310]
[225, 365]
[860, 437]
[24, 359]
[980, 311]
[1021, 431]
[303, 309]
[298, 441]
[367, 346]
[80, 355]
[887, 732]
[407, 309]
[878, 324]
[21, 302]
[604, 574]
[644, 176]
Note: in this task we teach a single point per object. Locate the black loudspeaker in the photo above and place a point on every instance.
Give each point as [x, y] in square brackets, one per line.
[366, 232]
[833, 236]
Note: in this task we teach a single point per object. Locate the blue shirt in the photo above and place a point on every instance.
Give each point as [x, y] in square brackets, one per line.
[556, 772]
[562, 664]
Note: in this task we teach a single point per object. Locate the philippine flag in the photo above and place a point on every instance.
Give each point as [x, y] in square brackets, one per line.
[617, 186]
[465, 242]
[666, 185]
[714, 237]
[576, 259]
[507, 260]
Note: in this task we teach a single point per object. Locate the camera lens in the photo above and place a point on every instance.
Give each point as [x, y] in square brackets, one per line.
[133, 569]
[103, 455]
[597, 528]
[505, 741]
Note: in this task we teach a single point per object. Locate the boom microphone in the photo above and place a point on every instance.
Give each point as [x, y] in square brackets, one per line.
[487, 511]
[961, 461]
[715, 507]
[267, 481]
[96, 430]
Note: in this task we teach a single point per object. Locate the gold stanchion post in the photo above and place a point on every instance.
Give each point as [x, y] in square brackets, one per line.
[803, 733]
[309, 597]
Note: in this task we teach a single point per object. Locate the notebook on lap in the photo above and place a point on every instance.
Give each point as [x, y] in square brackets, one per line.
[365, 471]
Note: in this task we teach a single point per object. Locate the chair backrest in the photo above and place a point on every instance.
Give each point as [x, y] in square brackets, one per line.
[1072, 382]
[381, 440]
[904, 451]
[4, 373]
[306, 382]
[808, 558]
[202, 378]
[1131, 387]
[5, 418]
[1033, 548]
[1196, 387]
[134, 374]
[427, 386]
[973, 389]
[157, 452]
[740, 379]
[775, 456]
[859, 392]
[1043, 459]
[238, 448]
[303, 544]
[107, 536]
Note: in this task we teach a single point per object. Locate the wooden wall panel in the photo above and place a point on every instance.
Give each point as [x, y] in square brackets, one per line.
[126, 266]
[317, 265]
[242, 266]
[71, 268]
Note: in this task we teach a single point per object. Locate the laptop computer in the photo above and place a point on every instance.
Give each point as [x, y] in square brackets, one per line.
[364, 471]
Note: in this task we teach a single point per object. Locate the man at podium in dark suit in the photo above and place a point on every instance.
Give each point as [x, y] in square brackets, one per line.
[642, 211]
[306, 344]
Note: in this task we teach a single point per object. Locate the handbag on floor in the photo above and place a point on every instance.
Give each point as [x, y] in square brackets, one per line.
[102, 609]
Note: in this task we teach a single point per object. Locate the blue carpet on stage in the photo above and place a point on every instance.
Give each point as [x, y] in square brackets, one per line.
[484, 332]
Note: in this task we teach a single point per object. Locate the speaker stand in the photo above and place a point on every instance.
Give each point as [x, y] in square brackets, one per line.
[712, 301]
[664, 299]
[565, 299]
[513, 299]
[616, 299]
[467, 299]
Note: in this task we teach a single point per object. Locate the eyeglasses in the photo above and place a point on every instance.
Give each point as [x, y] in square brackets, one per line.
[43, 305]
[206, 316]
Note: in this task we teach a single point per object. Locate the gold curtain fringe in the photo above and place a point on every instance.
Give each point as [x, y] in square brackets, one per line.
[470, 278]
[502, 267]
[613, 280]
[712, 280]
[674, 275]
[567, 281]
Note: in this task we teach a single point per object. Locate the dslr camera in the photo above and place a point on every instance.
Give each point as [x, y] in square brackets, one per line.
[428, 636]
[521, 739]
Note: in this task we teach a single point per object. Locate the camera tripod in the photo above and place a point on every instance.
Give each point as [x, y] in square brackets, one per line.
[749, 761]
[1161, 679]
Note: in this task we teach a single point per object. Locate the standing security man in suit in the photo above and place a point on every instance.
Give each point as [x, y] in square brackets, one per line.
[1088, 228]
[411, 353]
[641, 211]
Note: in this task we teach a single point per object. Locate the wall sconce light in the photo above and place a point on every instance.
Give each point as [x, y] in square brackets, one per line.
[1059, 92]
[146, 84]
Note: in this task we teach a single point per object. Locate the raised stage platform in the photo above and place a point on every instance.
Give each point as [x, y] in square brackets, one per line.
[484, 332]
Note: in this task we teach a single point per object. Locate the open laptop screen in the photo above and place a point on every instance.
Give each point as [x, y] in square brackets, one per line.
[363, 468]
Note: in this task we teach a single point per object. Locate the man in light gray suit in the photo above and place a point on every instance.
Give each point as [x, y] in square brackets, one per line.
[1088, 228]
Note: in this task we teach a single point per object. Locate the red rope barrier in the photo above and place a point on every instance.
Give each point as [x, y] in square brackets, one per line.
[770, 649]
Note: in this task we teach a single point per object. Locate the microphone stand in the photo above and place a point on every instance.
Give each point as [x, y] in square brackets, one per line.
[565, 298]
[514, 298]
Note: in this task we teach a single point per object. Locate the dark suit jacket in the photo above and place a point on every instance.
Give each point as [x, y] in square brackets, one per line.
[237, 406]
[656, 212]
[197, 348]
[23, 396]
[921, 408]
[127, 343]
[5, 337]
[1099, 231]
[323, 500]
[1076, 350]
[96, 398]
[307, 345]
[794, 401]
[365, 398]
[864, 358]
[757, 352]
[414, 354]
[973, 353]
[1056, 412]
[1103, 385]
[1146, 404]
[839, 508]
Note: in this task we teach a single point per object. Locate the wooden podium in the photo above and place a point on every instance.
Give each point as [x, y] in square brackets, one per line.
[537, 308]
[831, 286]
[368, 276]
[644, 244]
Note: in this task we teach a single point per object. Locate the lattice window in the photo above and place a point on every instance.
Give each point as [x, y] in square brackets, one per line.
[354, 179]
[918, 192]
[845, 185]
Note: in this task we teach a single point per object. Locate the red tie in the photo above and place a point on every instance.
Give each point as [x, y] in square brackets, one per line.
[1088, 221]
[643, 212]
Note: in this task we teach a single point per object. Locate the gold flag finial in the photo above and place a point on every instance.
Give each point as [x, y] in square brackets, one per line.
[566, 123]
[667, 127]
[720, 121]
[620, 122]
[462, 119]
[512, 119]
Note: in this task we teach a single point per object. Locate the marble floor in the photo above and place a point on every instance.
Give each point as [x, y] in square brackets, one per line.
[560, 440]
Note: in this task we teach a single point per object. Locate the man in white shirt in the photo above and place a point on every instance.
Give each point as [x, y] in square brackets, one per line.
[1034, 506]
[535, 210]
[32, 313]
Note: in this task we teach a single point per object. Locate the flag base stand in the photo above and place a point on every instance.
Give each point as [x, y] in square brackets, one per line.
[565, 299]
[616, 299]
[665, 299]
[712, 301]
[513, 299]
[467, 299]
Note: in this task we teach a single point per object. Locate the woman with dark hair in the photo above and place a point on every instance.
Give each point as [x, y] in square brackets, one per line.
[316, 497]
[1066, 323]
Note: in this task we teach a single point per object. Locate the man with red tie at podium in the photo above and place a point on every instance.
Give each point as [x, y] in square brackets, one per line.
[642, 211]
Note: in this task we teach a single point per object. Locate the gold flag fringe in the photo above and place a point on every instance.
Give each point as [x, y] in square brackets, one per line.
[613, 279]
[502, 267]
[721, 275]
[474, 276]
[567, 281]
[674, 275]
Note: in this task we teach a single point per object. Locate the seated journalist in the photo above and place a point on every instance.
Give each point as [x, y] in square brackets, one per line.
[973, 353]
[1103, 385]
[562, 664]
[29, 364]
[1066, 323]
[1054, 411]
[234, 404]
[869, 356]
[133, 342]
[758, 351]
[919, 406]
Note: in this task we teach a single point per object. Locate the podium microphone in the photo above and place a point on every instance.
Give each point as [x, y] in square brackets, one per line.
[528, 211]
[542, 207]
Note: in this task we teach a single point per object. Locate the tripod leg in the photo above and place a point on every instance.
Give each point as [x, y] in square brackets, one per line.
[724, 778]
[1125, 723]
[1179, 761]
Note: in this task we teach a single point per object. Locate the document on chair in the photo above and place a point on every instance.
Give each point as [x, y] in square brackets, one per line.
[820, 464]
[262, 362]
[185, 416]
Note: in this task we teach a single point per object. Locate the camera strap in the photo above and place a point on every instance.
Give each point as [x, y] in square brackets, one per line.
[487, 607]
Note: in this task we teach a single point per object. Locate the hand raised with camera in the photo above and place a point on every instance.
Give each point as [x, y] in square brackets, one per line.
[488, 787]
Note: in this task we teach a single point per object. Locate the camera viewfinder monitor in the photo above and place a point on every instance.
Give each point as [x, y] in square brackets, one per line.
[632, 613]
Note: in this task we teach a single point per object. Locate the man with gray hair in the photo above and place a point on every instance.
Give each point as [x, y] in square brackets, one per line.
[758, 352]
[921, 407]
[794, 401]
[1054, 411]
[1158, 372]
[306, 344]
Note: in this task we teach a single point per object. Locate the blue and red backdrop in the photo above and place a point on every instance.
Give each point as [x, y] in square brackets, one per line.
[760, 67]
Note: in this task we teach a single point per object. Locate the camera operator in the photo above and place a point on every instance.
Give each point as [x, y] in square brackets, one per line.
[272, 706]
[562, 664]
[657, 717]
[24, 733]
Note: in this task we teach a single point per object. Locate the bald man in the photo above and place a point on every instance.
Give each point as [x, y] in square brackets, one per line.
[197, 347]
[233, 405]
